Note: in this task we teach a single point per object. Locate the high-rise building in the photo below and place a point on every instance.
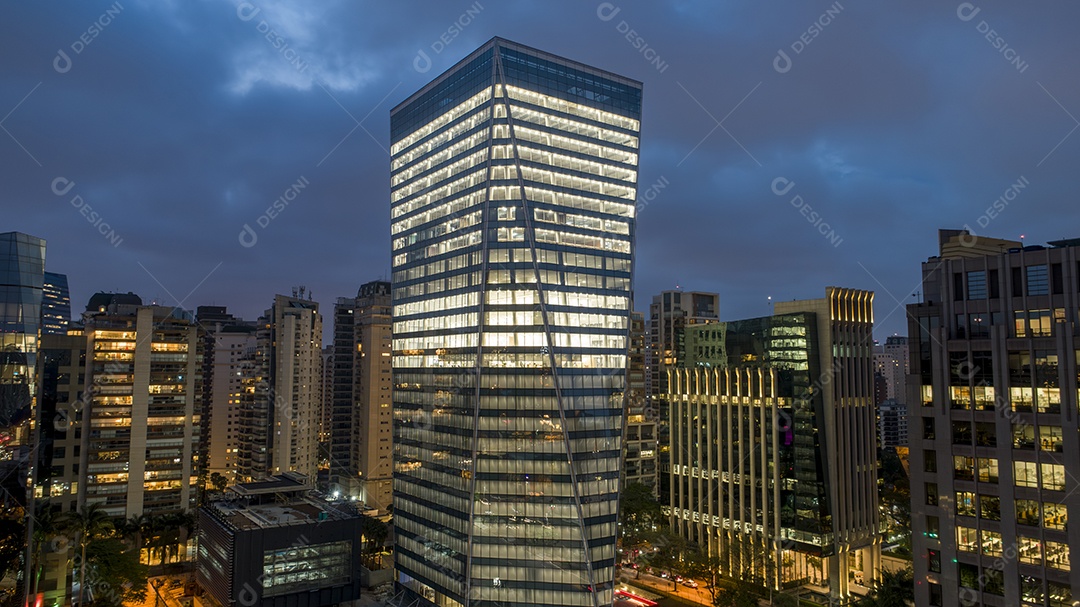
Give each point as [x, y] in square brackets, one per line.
[773, 450]
[22, 270]
[141, 439]
[994, 432]
[892, 423]
[891, 361]
[362, 440]
[280, 426]
[513, 180]
[640, 444]
[55, 304]
[326, 402]
[61, 405]
[229, 375]
[669, 314]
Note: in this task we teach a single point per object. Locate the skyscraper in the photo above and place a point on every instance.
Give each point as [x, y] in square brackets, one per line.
[55, 304]
[640, 443]
[993, 430]
[513, 180]
[141, 432]
[22, 269]
[361, 462]
[229, 379]
[280, 424]
[669, 314]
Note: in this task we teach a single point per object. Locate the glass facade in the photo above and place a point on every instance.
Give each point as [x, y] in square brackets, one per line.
[22, 270]
[513, 183]
[55, 305]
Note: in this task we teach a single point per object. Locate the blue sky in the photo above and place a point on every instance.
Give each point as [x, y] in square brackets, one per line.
[139, 137]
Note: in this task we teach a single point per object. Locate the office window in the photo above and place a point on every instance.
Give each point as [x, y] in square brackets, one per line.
[967, 539]
[1027, 512]
[929, 460]
[958, 286]
[1053, 477]
[1026, 474]
[965, 503]
[988, 470]
[935, 595]
[1029, 550]
[969, 575]
[995, 287]
[1017, 282]
[1057, 279]
[961, 433]
[933, 527]
[990, 507]
[993, 581]
[931, 494]
[1031, 590]
[933, 558]
[976, 285]
[963, 468]
[1037, 281]
[928, 428]
[1055, 516]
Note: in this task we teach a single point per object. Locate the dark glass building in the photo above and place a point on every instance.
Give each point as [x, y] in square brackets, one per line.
[22, 269]
[55, 305]
[513, 180]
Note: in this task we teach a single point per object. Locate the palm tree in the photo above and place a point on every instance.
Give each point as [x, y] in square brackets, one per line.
[46, 527]
[892, 589]
[132, 529]
[88, 524]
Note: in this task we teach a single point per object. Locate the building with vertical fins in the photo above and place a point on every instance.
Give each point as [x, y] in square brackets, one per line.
[513, 181]
[773, 450]
[993, 428]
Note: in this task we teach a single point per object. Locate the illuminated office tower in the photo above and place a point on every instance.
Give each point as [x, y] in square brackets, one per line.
[513, 179]
[22, 267]
[55, 305]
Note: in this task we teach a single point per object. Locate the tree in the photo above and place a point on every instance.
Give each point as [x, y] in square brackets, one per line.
[12, 543]
[89, 524]
[47, 525]
[709, 570]
[739, 594]
[639, 512]
[374, 534]
[117, 576]
[892, 589]
[218, 482]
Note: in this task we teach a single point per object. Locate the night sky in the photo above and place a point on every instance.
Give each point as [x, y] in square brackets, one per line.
[139, 137]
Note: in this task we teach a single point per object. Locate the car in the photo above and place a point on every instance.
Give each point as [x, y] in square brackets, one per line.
[664, 574]
[690, 583]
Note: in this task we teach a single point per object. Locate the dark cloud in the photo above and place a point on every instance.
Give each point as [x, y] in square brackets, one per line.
[180, 122]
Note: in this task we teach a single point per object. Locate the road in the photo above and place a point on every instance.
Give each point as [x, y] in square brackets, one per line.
[652, 582]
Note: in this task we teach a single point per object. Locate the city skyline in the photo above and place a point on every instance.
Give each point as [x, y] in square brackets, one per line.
[907, 120]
